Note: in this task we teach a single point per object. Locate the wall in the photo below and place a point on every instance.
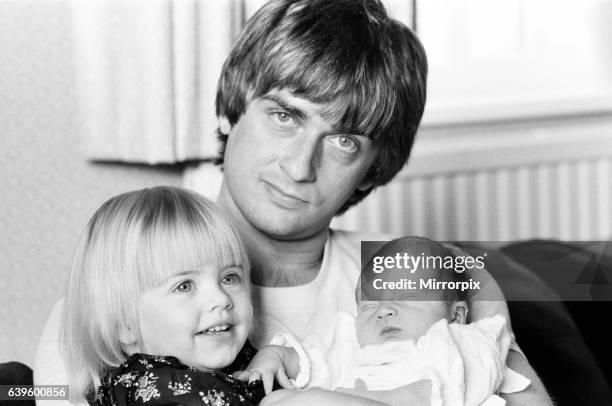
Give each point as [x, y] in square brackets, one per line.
[48, 189]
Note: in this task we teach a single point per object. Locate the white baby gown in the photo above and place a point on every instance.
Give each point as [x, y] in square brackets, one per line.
[465, 363]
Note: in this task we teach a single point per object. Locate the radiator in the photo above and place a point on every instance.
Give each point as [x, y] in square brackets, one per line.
[567, 200]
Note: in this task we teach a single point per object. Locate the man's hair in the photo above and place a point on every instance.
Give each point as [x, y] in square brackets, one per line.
[349, 53]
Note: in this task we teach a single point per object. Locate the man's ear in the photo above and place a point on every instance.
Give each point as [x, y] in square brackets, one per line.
[365, 184]
[459, 312]
[224, 125]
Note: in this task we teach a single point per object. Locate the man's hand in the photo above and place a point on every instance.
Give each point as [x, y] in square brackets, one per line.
[271, 361]
[316, 396]
[535, 394]
[415, 394]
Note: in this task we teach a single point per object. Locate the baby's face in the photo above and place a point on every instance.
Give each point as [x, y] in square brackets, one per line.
[382, 321]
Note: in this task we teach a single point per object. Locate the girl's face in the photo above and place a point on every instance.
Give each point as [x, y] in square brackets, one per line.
[201, 316]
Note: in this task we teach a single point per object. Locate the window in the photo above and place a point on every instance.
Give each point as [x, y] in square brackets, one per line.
[502, 59]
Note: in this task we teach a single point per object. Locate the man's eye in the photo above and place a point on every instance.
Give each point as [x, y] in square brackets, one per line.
[231, 279]
[184, 287]
[344, 143]
[284, 119]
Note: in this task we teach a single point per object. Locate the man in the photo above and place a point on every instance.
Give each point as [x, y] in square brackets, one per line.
[308, 127]
[318, 103]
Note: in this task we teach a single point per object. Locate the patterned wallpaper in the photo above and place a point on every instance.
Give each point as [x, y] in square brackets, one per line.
[48, 190]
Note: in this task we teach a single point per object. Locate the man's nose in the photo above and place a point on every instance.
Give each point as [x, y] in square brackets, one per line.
[299, 159]
[386, 311]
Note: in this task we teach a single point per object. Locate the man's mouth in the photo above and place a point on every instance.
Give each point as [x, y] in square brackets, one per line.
[216, 330]
[284, 198]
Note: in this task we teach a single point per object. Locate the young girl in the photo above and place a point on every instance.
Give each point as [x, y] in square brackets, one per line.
[158, 307]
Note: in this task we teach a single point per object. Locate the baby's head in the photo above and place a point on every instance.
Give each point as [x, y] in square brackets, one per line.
[160, 271]
[399, 314]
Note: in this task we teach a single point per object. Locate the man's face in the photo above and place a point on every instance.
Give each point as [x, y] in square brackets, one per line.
[287, 171]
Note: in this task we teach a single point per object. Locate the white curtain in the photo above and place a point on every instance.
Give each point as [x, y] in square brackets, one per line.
[147, 73]
[146, 76]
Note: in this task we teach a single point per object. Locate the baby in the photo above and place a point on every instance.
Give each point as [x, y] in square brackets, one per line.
[400, 336]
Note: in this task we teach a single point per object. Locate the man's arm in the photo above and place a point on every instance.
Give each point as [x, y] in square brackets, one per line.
[415, 394]
[487, 302]
[535, 394]
[315, 396]
[49, 367]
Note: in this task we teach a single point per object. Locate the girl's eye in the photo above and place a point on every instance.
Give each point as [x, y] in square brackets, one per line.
[231, 279]
[344, 143]
[184, 287]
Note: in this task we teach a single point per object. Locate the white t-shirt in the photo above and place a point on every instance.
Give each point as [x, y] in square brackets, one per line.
[302, 310]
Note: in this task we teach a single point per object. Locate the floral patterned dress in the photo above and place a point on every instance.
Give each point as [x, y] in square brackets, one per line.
[156, 380]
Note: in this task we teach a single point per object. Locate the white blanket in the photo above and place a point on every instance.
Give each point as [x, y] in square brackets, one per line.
[465, 363]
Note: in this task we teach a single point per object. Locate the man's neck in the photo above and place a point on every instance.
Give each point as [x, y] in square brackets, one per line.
[276, 262]
[283, 263]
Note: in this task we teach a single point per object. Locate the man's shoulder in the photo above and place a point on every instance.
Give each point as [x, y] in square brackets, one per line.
[348, 243]
[356, 237]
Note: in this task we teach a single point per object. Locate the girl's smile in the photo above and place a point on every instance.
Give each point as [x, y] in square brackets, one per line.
[216, 330]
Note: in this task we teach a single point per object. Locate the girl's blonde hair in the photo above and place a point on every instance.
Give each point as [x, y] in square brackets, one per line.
[131, 244]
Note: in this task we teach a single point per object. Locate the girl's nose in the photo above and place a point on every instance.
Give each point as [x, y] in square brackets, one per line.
[217, 298]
